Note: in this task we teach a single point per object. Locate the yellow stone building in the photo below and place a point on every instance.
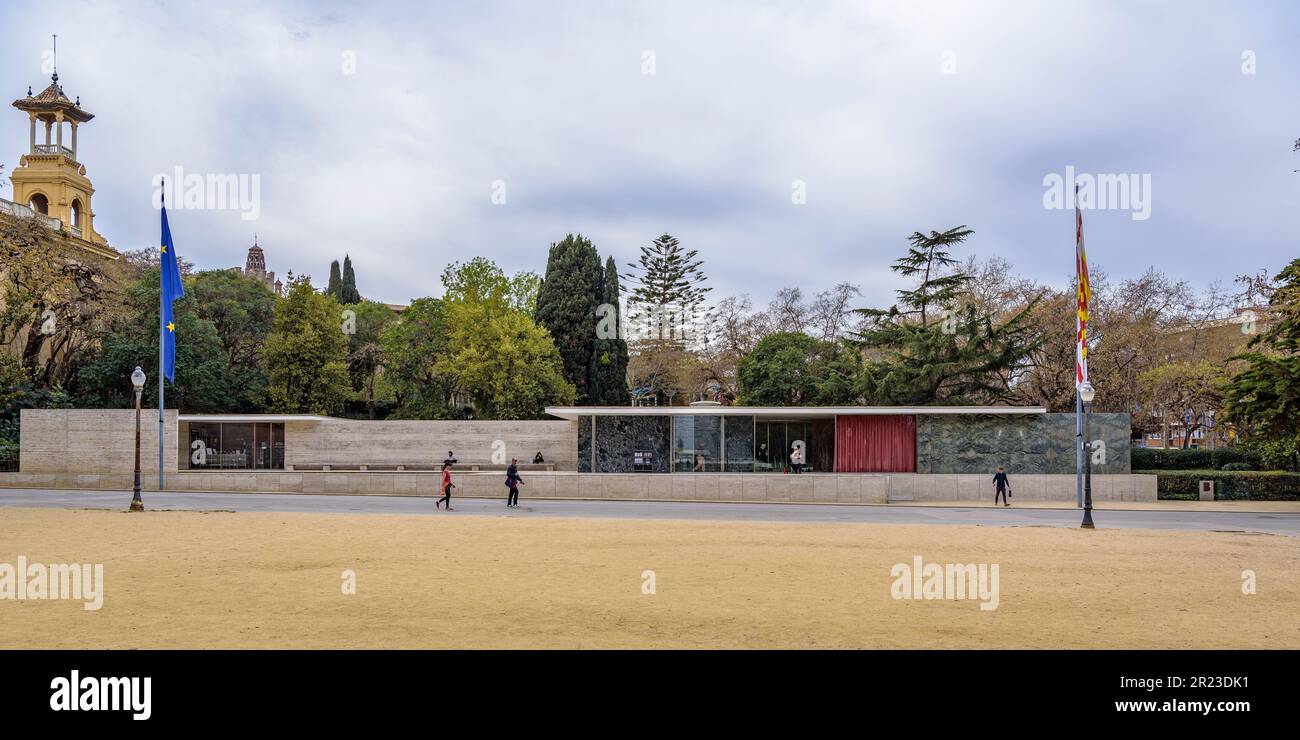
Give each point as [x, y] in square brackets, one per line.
[49, 182]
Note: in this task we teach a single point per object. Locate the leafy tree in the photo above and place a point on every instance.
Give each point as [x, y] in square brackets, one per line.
[1264, 398]
[1177, 389]
[412, 348]
[503, 360]
[524, 288]
[306, 354]
[609, 353]
[793, 369]
[242, 309]
[566, 307]
[365, 351]
[334, 289]
[927, 350]
[477, 280]
[348, 293]
[103, 381]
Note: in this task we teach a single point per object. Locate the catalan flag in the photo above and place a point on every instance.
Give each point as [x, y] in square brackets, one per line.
[1083, 295]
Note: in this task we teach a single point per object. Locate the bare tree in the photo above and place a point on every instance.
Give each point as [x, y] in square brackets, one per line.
[830, 313]
[788, 311]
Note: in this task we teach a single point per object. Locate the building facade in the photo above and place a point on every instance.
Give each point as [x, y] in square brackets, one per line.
[709, 438]
[855, 456]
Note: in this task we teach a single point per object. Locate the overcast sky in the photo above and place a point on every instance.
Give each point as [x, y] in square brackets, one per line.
[379, 129]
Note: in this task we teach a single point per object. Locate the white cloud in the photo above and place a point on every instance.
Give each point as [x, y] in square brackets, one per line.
[394, 164]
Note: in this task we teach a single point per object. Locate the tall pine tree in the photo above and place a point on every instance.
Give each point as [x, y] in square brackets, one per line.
[928, 348]
[609, 354]
[566, 307]
[666, 301]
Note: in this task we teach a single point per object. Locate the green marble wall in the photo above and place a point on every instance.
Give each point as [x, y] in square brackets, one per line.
[1032, 443]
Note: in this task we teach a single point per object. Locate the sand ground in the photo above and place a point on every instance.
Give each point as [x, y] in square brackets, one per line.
[190, 579]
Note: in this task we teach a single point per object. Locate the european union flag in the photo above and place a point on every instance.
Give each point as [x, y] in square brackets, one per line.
[171, 290]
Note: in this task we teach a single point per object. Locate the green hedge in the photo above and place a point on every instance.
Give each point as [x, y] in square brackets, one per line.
[1152, 458]
[1252, 485]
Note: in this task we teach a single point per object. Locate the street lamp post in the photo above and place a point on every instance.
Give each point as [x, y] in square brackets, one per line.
[137, 382]
[1086, 394]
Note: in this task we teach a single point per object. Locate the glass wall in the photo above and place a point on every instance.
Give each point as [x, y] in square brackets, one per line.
[697, 444]
[738, 431]
[775, 440]
[235, 446]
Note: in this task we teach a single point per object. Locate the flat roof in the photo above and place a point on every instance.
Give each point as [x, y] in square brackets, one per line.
[250, 418]
[573, 412]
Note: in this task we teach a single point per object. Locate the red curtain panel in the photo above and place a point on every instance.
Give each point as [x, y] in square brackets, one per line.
[875, 444]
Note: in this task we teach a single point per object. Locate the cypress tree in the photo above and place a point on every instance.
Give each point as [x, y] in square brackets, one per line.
[348, 292]
[566, 307]
[336, 282]
[609, 354]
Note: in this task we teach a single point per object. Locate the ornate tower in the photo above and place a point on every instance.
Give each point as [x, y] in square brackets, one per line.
[49, 179]
[255, 267]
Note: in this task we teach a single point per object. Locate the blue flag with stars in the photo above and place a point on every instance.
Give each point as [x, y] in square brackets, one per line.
[172, 289]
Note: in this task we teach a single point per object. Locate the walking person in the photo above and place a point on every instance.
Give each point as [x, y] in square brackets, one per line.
[796, 460]
[514, 482]
[1002, 486]
[447, 485]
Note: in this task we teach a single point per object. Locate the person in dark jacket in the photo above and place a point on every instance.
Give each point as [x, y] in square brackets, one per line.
[1001, 486]
[514, 482]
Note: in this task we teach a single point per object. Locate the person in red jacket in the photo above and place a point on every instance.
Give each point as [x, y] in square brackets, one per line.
[447, 485]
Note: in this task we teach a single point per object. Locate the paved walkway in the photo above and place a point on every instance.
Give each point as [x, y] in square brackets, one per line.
[1282, 523]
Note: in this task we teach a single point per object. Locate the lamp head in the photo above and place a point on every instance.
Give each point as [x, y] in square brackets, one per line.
[137, 378]
[1087, 392]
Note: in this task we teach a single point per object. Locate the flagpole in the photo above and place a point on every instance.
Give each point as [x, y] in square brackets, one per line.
[162, 340]
[1078, 359]
[1078, 450]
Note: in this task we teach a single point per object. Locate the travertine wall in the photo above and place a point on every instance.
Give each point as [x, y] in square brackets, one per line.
[842, 488]
[90, 441]
[357, 442]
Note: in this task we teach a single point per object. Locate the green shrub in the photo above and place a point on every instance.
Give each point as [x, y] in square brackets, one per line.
[8, 453]
[1252, 485]
[1236, 466]
[1152, 458]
